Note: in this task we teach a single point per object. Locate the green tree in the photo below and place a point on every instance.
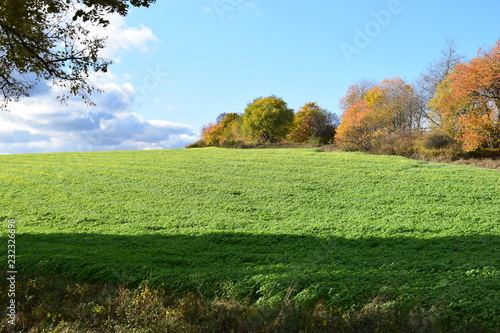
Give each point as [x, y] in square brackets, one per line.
[48, 40]
[314, 123]
[268, 119]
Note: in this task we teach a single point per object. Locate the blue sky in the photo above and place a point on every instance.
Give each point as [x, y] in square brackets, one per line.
[179, 64]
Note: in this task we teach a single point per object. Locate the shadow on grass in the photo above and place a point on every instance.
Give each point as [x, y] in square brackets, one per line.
[453, 278]
[255, 266]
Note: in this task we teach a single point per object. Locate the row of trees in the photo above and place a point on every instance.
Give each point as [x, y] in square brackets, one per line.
[270, 120]
[452, 102]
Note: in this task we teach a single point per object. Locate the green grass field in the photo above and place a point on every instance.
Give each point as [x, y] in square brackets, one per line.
[340, 227]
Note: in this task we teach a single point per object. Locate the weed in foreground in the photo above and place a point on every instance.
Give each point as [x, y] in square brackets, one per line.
[47, 306]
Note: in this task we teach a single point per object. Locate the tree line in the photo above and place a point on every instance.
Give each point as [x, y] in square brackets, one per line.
[453, 106]
[270, 120]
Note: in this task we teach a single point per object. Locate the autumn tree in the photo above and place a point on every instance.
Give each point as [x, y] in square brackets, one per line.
[355, 93]
[226, 130]
[314, 123]
[396, 105]
[353, 133]
[468, 101]
[210, 134]
[231, 132]
[355, 130]
[445, 105]
[387, 108]
[267, 119]
[50, 40]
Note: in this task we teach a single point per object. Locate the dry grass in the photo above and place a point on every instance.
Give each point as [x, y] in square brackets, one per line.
[487, 163]
[53, 304]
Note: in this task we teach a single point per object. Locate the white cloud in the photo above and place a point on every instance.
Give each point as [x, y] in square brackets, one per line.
[43, 124]
[122, 37]
[40, 123]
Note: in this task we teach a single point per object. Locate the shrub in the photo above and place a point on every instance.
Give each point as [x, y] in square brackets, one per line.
[403, 144]
[437, 140]
[197, 144]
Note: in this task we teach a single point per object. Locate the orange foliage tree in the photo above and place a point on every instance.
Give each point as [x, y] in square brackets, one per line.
[211, 134]
[354, 132]
[385, 109]
[225, 131]
[468, 101]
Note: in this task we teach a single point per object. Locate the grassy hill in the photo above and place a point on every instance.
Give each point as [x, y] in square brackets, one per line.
[341, 228]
